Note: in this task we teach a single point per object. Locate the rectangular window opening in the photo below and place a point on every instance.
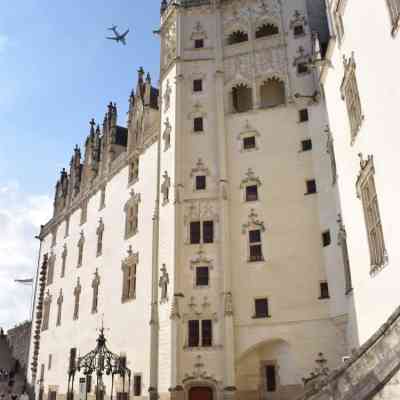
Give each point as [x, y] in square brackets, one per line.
[137, 385]
[198, 124]
[197, 85]
[324, 290]
[202, 276]
[311, 186]
[303, 115]
[199, 43]
[326, 238]
[195, 232]
[306, 145]
[206, 333]
[261, 308]
[249, 142]
[194, 333]
[270, 376]
[208, 231]
[251, 193]
[200, 182]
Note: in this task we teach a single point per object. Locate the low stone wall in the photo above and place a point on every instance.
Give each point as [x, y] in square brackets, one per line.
[373, 371]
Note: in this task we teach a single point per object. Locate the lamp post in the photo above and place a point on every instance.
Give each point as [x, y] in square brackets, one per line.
[100, 361]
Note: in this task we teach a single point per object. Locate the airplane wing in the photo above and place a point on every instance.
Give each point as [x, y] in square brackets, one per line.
[24, 281]
[123, 41]
[111, 38]
[125, 33]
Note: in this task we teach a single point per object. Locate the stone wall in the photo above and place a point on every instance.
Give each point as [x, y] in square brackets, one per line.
[371, 373]
[18, 340]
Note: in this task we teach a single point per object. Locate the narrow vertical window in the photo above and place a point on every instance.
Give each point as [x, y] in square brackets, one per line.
[208, 231]
[198, 124]
[64, 260]
[137, 385]
[81, 243]
[366, 191]
[72, 359]
[194, 333]
[46, 311]
[77, 296]
[206, 333]
[324, 290]
[326, 238]
[102, 198]
[202, 276]
[255, 245]
[303, 115]
[59, 307]
[50, 269]
[195, 232]
[100, 232]
[311, 186]
[95, 287]
[270, 377]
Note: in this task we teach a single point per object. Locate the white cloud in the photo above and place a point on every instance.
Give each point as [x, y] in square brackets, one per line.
[20, 217]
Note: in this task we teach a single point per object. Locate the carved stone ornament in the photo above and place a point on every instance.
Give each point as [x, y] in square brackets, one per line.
[198, 32]
[167, 134]
[131, 258]
[228, 304]
[197, 310]
[199, 372]
[163, 284]
[298, 19]
[250, 179]
[169, 44]
[302, 57]
[197, 111]
[201, 210]
[165, 186]
[253, 222]
[167, 96]
[201, 259]
[199, 169]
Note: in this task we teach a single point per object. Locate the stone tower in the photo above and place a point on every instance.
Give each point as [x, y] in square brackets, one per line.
[247, 233]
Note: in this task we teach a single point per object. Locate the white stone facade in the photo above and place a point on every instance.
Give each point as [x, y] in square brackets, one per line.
[297, 202]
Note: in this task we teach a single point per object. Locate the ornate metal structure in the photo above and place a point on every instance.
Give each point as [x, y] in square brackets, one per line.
[100, 361]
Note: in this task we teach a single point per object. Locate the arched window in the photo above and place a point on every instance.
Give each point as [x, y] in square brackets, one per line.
[272, 93]
[266, 30]
[238, 37]
[242, 98]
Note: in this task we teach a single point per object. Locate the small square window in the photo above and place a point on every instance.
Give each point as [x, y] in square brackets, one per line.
[249, 143]
[261, 308]
[311, 186]
[324, 290]
[306, 145]
[326, 238]
[198, 124]
[302, 68]
[197, 85]
[195, 232]
[200, 182]
[298, 30]
[252, 193]
[303, 115]
[208, 231]
[202, 276]
[199, 43]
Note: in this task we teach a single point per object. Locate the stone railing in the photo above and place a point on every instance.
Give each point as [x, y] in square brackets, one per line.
[371, 369]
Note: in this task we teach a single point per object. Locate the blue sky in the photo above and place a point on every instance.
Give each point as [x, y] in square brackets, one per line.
[57, 71]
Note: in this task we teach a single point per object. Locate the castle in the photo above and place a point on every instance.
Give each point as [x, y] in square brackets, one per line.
[218, 240]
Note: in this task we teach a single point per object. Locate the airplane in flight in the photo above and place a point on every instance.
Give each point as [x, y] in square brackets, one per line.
[118, 37]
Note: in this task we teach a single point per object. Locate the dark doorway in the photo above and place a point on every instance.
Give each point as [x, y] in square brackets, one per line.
[200, 393]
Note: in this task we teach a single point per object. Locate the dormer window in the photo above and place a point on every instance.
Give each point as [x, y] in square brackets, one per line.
[238, 36]
[266, 30]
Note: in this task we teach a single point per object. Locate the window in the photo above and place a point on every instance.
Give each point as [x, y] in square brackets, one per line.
[208, 231]
[198, 230]
[206, 333]
[195, 232]
[311, 186]
[255, 245]
[49, 361]
[54, 237]
[59, 308]
[242, 98]
[394, 11]
[128, 282]
[303, 115]
[302, 68]
[261, 309]
[194, 333]
[50, 269]
[266, 30]
[137, 385]
[199, 43]
[46, 312]
[100, 233]
[64, 260]
[95, 287]
[324, 290]
[77, 295]
[202, 276]
[199, 337]
[251, 193]
[81, 243]
[197, 85]
[131, 210]
[270, 378]
[133, 172]
[351, 96]
[102, 198]
[66, 233]
[72, 359]
[200, 182]
[306, 145]
[326, 238]
[84, 212]
[272, 93]
[298, 30]
[366, 190]
[237, 37]
[249, 142]
[198, 124]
